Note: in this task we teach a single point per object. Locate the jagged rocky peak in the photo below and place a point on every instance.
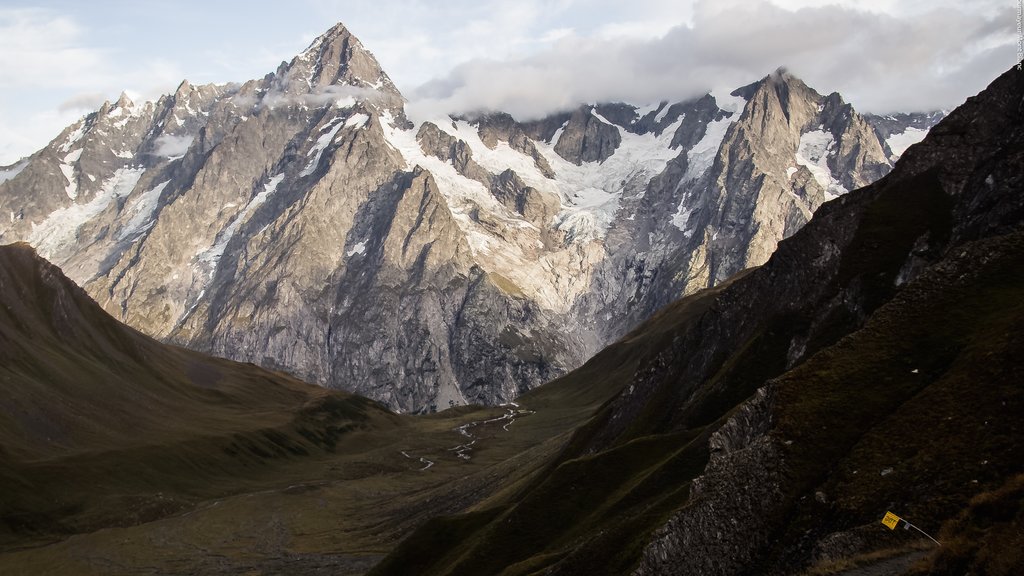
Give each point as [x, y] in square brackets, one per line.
[782, 100]
[335, 58]
[123, 101]
[588, 137]
[537, 207]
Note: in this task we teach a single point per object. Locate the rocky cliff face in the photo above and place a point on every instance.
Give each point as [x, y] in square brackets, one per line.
[301, 222]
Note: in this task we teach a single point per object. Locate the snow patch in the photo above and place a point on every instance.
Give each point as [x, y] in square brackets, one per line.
[790, 171]
[701, 156]
[681, 219]
[661, 115]
[67, 168]
[813, 152]
[729, 103]
[558, 133]
[357, 249]
[73, 137]
[357, 121]
[141, 212]
[899, 143]
[321, 144]
[9, 173]
[213, 254]
[61, 227]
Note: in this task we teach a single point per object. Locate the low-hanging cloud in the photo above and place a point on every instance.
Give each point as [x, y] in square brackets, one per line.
[318, 97]
[172, 146]
[880, 62]
[82, 102]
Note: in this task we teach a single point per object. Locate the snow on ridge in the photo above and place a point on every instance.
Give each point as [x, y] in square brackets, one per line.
[729, 103]
[596, 114]
[661, 115]
[899, 143]
[500, 158]
[9, 173]
[67, 168]
[141, 210]
[321, 144]
[701, 156]
[213, 254]
[73, 137]
[60, 228]
[590, 195]
[591, 192]
[813, 152]
[541, 274]
[558, 133]
[357, 121]
[463, 195]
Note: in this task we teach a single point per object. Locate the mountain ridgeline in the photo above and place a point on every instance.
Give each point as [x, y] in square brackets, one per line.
[301, 222]
[817, 373]
[766, 425]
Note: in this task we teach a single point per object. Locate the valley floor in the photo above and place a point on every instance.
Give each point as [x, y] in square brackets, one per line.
[336, 513]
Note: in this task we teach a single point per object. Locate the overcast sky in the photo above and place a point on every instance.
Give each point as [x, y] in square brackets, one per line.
[62, 59]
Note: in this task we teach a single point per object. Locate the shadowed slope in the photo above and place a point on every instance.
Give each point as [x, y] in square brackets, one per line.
[97, 416]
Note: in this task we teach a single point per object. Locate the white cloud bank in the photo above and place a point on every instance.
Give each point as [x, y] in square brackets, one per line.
[528, 57]
[881, 62]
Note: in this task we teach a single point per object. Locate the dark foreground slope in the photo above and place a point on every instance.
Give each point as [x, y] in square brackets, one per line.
[122, 455]
[100, 424]
[874, 363]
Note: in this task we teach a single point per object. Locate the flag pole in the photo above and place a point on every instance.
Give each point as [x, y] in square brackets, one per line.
[937, 543]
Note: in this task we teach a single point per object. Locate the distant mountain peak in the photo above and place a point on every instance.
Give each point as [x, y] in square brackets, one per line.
[124, 101]
[338, 57]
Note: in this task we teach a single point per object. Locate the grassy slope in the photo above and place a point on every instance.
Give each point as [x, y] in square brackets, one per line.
[122, 455]
[101, 425]
[589, 511]
[918, 412]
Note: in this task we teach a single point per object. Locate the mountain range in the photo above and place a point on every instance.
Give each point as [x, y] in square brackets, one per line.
[760, 421]
[303, 223]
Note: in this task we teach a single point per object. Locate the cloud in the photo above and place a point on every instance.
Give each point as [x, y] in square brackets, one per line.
[52, 72]
[172, 146]
[881, 62]
[343, 94]
[82, 102]
[40, 48]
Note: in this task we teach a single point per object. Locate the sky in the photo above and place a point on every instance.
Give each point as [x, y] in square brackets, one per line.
[61, 59]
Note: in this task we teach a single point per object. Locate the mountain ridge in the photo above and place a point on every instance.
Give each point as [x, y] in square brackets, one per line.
[215, 218]
[768, 423]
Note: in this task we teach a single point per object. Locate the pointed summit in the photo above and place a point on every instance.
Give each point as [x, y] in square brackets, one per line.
[338, 57]
[124, 101]
[183, 89]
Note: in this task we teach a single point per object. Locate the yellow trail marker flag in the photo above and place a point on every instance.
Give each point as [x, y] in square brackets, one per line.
[891, 520]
